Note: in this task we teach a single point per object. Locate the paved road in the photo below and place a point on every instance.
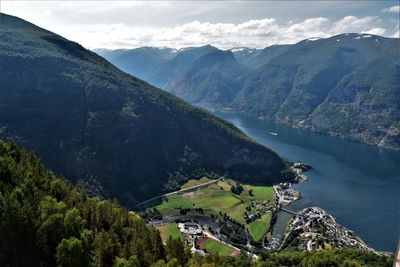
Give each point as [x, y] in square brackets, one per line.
[179, 191]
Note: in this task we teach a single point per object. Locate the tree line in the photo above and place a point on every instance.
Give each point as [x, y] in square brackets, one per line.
[47, 221]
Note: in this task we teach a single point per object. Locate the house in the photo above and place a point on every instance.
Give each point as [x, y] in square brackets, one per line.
[191, 229]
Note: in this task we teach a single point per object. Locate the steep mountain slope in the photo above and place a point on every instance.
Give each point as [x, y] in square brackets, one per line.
[300, 88]
[255, 58]
[211, 81]
[245, 54]
[185, 57]
[90, 121]
[140, 62]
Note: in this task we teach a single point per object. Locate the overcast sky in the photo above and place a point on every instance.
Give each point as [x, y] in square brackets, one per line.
[224, 24]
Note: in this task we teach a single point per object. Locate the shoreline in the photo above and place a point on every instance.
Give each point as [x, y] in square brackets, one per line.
[342, 235]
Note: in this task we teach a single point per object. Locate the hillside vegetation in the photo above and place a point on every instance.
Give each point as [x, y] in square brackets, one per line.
[112, 132]
[346, 85]
[46, 221]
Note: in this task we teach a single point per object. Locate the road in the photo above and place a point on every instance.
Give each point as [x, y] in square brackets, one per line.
[179, 191]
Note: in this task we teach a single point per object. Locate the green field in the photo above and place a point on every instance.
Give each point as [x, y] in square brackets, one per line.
[192, 183]
[259, 227]
[214, 246]
[175, 201]
[261, 193]
[170, 229]
[216, 198]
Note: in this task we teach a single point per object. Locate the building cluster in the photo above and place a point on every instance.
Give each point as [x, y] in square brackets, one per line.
[191, 229]
[317, 229]
[257, 209]
[194, 232]
[285, 194]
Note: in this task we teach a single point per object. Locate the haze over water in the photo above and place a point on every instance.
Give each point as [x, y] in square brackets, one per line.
[358, 184]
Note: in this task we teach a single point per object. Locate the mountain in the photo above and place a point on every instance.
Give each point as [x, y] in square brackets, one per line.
[140, 62]
[255, 58]
[184, 58]
[323, 85]
[95, 124]
[46, 221]
[205, 76]
[244, 54]
[346, 85]
[213, 79]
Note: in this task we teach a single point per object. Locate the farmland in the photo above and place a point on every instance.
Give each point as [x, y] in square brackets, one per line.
[218, 199]
[259, 227]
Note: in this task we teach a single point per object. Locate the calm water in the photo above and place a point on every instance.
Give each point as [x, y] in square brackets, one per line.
[358, 184]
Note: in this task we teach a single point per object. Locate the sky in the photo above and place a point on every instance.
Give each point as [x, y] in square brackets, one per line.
[224, 24]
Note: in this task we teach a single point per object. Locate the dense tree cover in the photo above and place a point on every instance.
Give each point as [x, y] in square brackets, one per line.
[90, 121]
[237, 189]
[46, 221]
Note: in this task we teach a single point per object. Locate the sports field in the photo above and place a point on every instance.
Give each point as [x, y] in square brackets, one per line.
[213, 246]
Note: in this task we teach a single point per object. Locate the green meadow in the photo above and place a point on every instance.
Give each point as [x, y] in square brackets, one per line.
[216, 198]
[169, 229]
[260, 227]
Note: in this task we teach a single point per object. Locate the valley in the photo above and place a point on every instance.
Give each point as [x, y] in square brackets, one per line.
[344, 86]
[225, 210]
[198, 156]
[345, 177]
[110, 131]
[238, 217]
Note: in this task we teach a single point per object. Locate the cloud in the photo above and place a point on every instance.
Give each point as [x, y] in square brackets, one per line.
[355, 24]
[392, 9]
[108, 26]
[254, 33]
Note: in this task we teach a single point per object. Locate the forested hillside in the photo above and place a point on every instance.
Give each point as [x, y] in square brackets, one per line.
[46, 221]
[114, 133]
[214, 79]
[346, 85]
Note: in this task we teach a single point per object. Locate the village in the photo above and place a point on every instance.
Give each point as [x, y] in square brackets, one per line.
[313, 228]
[285, 194]
[203, 242]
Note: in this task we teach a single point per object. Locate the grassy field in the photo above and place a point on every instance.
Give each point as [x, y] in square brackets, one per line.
[192, 183]
[172, 202]
[216, 198]
[214, 246]
[261, 193]
[259, 227]
[169, 229]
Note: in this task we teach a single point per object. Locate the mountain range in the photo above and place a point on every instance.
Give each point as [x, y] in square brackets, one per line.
[346, 85]
[112, 132]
